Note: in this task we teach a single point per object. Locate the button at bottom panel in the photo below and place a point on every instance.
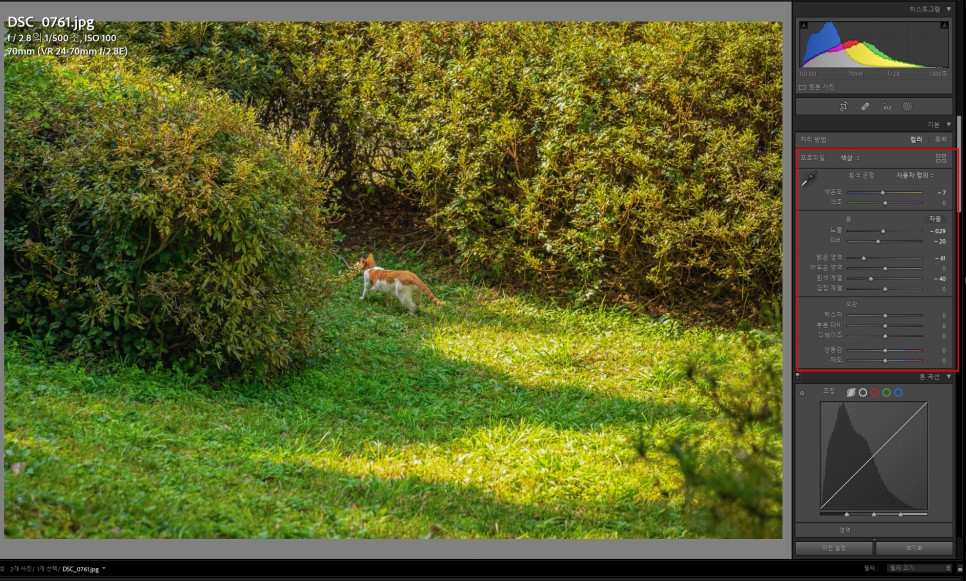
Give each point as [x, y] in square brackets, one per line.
[913, 548]
[834, 548]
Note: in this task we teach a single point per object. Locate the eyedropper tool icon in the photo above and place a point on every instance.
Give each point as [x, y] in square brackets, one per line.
[810, 177]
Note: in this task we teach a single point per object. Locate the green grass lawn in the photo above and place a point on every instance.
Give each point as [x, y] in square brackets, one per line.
[491, 417]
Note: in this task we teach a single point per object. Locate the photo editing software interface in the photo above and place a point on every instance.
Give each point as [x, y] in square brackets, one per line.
[877, 430]
[868, 469]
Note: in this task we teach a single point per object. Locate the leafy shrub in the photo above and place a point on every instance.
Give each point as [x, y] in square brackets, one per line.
[297, 75]
[736, 490]
[155, 220]
[640, 162]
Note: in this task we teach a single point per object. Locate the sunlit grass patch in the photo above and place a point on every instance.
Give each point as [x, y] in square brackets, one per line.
[490, 417]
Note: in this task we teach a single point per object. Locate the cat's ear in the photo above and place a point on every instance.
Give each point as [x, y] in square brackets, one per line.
[370, 258]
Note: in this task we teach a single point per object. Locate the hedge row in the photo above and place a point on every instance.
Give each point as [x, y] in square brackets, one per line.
[635, 161]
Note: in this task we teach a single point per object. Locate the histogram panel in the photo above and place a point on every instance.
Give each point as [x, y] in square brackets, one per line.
[858, 44]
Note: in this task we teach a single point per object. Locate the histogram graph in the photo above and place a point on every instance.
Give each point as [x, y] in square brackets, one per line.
[867, 44]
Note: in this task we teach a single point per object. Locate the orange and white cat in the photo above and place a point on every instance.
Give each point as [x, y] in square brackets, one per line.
[401, 283]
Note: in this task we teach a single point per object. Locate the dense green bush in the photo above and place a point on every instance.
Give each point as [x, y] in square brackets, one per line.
[635, 161]
[299, 75]
[152, 219]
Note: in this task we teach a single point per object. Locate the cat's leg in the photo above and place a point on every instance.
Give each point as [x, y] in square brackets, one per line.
[406, 298]
[365, 288]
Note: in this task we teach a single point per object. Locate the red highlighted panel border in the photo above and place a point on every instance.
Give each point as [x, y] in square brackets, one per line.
[958, 261]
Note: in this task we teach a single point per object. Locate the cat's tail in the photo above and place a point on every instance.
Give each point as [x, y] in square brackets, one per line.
[425, 290]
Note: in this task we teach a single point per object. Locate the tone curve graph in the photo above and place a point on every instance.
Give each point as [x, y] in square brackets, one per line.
[874, 456]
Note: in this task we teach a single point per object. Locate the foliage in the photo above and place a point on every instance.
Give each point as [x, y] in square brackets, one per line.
[154, 220]
[494, 417]
[298, 75]
[638, 162]
[588, 159]
[737, 483]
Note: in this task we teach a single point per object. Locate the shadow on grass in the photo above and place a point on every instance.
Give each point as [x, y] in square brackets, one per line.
[381, 381]
[295, 499]
[393, 386]
[381, 385]
[420, 508]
